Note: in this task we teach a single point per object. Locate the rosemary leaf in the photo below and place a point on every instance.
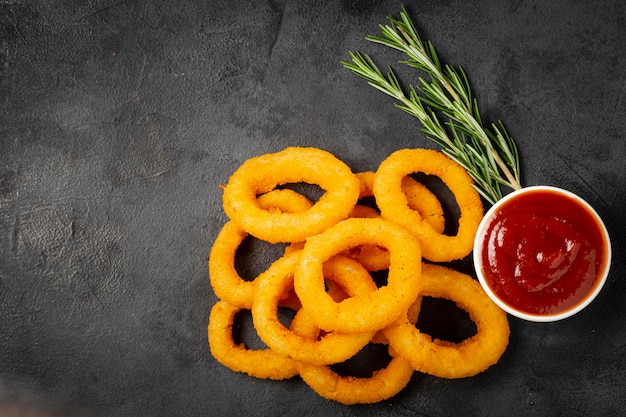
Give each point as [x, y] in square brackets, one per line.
[489, 154]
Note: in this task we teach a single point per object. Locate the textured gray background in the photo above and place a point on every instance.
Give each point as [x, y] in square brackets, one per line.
[119, 120]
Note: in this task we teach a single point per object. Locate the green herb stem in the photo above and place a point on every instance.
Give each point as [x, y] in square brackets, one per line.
[489, 154]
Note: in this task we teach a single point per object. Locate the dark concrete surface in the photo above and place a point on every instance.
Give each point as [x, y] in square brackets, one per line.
[120, 119]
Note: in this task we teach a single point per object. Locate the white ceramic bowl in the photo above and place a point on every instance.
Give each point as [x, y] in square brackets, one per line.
[508, 307]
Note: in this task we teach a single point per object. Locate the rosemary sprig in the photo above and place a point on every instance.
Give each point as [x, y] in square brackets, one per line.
[488, 154]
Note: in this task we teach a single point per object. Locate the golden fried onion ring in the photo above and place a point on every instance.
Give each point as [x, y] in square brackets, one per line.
[419, 198]
[372, 257]
[422, 200]
[366, 182]
[226, 282]
[259, 363]
[393, 204]
[383, 384]
[333, 347]
[446, 359]
[261, 174]
[367, 312]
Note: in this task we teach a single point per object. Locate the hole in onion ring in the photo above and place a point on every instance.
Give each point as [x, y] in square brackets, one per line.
[369, 359]
[311, 191]
[446, 198]
[369, 201]
[285, 315]
[380, 277]
[442, 319]
[244, 331]
[254, 256]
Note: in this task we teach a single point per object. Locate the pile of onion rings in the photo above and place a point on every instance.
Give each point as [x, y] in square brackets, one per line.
[334, 245]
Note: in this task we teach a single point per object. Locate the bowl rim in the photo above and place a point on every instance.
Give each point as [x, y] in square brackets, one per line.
[479, 241]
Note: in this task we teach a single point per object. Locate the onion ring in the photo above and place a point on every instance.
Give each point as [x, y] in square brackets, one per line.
[363, 212]
[422, 200]
[419, 198]
[333, 347]
[393, 204]
[383, 384]
[372, 257]
[292, 165]
[226, 282]
[259, 363]
[366, 181]
[446, 359]
[367, 312]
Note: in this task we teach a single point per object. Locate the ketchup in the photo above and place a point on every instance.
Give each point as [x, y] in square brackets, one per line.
[543, 253]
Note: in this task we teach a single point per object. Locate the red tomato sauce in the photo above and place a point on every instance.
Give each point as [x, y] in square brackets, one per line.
[544, 252]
